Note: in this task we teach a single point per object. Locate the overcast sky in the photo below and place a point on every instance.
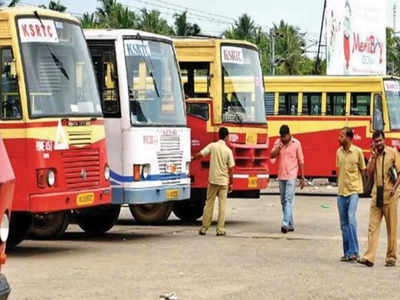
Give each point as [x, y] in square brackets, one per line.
[214, 16]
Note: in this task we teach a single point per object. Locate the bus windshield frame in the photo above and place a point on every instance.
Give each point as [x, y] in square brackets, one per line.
[58, 71]
[155, 91]
[392, 93]
[242, 62]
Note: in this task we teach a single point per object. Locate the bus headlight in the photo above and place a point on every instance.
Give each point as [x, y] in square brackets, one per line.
[145, 171]
[51, 177]
[4, 228]
[107, 172]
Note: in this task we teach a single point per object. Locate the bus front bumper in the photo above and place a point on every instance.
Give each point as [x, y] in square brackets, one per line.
[69, 200]
[158, 194]
[242, 182]
[4, 287]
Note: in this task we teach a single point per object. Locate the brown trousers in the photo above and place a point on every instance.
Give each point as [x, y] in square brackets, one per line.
[213, 191]
[389, 211]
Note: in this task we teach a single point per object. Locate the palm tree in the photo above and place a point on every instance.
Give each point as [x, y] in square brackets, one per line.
[392, 52]
[11, 4]
[183, 27]
[243, 29]
[290, 49]
[55, 5]
[89, 21]
[151, 21]
[112, 14]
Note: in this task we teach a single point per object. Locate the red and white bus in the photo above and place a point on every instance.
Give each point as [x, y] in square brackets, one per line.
[52, 126]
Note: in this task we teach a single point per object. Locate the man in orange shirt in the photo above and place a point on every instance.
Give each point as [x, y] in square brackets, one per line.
[290, 156]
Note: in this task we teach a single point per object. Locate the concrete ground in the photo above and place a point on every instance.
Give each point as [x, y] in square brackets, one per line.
[255, 260]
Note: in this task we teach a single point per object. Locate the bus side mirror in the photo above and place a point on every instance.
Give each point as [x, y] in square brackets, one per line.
[13, 69]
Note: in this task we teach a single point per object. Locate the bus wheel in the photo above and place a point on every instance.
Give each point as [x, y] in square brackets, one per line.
[49, 226]
[99, 219]
[20, 226]
[151, 214]
[189, 210]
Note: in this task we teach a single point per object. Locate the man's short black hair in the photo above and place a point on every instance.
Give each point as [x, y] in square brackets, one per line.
[377, 134]
[349, 132]
[284, 130]
[223, 133]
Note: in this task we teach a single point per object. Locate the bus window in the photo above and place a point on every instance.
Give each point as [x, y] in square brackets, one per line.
[288, 103]
[336, 104]
[392, 90]
[378, 115]
[269, 104]
[196, 79]
[199, 110]
[10, 106]
[104, 62]
[312, 104]
[360, 104]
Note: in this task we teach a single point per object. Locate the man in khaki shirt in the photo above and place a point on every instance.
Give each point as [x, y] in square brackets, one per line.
[219, 179]
[380, 153]
[351, 166]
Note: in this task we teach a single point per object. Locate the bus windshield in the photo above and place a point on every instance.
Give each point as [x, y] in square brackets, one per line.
[243, 86]
[392, 90]
[155, 92]
[58, 70]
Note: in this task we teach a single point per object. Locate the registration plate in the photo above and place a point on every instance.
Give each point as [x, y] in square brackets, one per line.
[172, 194]
[253, 183]
[85, 199]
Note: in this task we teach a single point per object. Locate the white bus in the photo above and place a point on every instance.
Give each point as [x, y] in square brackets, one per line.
[148, 141]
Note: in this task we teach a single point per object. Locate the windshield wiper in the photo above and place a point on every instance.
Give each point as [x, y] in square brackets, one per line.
[57, 62]
[149, 65]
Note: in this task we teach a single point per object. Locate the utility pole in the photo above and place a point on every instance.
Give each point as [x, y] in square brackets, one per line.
[318, 61]
[272, 45]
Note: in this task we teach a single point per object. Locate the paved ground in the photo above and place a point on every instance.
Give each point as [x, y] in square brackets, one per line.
[255, 261]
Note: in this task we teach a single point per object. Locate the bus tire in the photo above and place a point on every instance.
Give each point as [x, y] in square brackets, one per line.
[151, 214]
[20, 225]
[189, 210]
[99, 219]
[49, 226]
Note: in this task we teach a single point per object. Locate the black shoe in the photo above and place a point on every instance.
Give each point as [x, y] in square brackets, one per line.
[291, 229]
[353, 258]
[365, 262]
[284, 229]
[202, 232]
[390, 263]
[221, 233]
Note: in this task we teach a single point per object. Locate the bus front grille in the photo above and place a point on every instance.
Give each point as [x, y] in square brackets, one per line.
[80, 138]
[170, 156]
[81, 168]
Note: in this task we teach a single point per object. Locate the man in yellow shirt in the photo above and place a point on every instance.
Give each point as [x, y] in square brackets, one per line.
[351, 166]
[220, 179]
[384, 160]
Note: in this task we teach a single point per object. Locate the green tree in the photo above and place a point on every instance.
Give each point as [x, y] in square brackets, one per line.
[89, 21]
[243, 29]
[151, 21]
[112, 14]
[183, 27]
[392, 52]
[55, 5]
[290, 50]
[11, 4]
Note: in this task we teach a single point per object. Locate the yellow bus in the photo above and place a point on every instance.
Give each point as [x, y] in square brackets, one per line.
[223, 86]
[317, 107]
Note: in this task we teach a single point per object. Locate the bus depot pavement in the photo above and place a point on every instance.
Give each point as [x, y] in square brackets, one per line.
[255, 260]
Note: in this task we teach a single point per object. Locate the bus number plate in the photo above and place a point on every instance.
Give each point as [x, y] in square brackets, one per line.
[172, 194]
[85, 199]
[253, 182]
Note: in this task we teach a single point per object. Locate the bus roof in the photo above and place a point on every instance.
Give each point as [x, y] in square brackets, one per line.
[119, 33]
[12, 12]
[328, 78]
[194, 41]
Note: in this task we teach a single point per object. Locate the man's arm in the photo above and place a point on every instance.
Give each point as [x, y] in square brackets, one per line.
[276, 149]
[206, 151]
[196, 156]
[372, 163]
[361, 164]
[300, 159]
